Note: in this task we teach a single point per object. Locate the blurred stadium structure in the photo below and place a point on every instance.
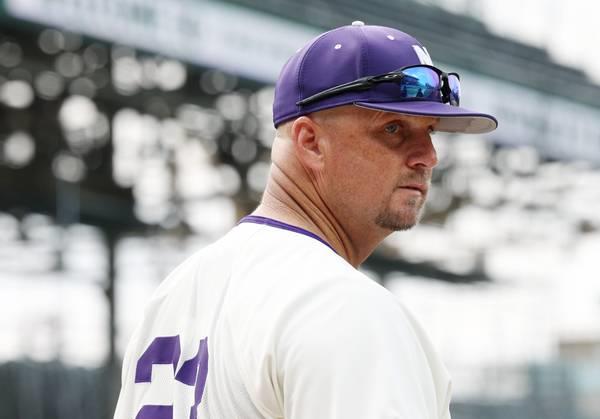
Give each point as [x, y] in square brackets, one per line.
[134, 132]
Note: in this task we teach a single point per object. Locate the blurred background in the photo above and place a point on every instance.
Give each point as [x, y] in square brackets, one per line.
[135, 132]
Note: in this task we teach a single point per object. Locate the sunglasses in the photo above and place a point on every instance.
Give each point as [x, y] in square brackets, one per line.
[416, 82]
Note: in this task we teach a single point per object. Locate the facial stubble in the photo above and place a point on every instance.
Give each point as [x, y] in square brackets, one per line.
[400, 219]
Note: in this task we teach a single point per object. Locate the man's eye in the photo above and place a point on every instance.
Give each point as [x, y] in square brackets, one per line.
[392, 128]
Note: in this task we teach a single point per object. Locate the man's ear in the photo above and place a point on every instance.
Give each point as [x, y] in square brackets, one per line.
[307, 137]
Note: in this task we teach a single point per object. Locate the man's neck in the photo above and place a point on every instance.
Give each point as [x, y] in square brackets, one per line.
[286, 201]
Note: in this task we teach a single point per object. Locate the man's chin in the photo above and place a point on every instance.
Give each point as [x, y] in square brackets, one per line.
[394, 222]
[400, 216]
[395, 226]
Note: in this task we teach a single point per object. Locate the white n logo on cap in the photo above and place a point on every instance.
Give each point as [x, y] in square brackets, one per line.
[423, 54]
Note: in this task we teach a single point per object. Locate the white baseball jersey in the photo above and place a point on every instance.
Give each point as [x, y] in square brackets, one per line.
[269, 322]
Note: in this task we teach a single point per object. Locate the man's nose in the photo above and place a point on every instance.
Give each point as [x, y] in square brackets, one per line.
[423, 153]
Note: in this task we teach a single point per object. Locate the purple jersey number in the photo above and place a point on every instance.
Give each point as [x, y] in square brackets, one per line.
[193, 372]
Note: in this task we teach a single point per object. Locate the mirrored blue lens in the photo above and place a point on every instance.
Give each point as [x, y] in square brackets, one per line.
[420, 83]
[454, 83]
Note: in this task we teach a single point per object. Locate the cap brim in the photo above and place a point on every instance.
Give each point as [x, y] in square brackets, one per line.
[452, 118]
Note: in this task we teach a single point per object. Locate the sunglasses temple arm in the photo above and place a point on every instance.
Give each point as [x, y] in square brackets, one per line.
[353, 85]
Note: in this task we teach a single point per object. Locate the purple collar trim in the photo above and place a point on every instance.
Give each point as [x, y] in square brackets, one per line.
[256, 219]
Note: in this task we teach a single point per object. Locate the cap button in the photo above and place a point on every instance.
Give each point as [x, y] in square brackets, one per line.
[358, 23]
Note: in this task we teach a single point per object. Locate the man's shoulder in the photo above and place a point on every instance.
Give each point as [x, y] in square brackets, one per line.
[354, 295]
[322, 299]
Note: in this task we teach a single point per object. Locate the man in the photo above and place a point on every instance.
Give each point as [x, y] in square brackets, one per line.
[274, 320]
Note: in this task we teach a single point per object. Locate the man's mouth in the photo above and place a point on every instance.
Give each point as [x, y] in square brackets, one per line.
[419, 187]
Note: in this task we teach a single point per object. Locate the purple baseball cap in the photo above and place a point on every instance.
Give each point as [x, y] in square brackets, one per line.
[350, 52]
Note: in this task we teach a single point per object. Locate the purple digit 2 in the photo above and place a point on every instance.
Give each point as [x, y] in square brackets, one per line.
[162, 350]
[193, 372]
